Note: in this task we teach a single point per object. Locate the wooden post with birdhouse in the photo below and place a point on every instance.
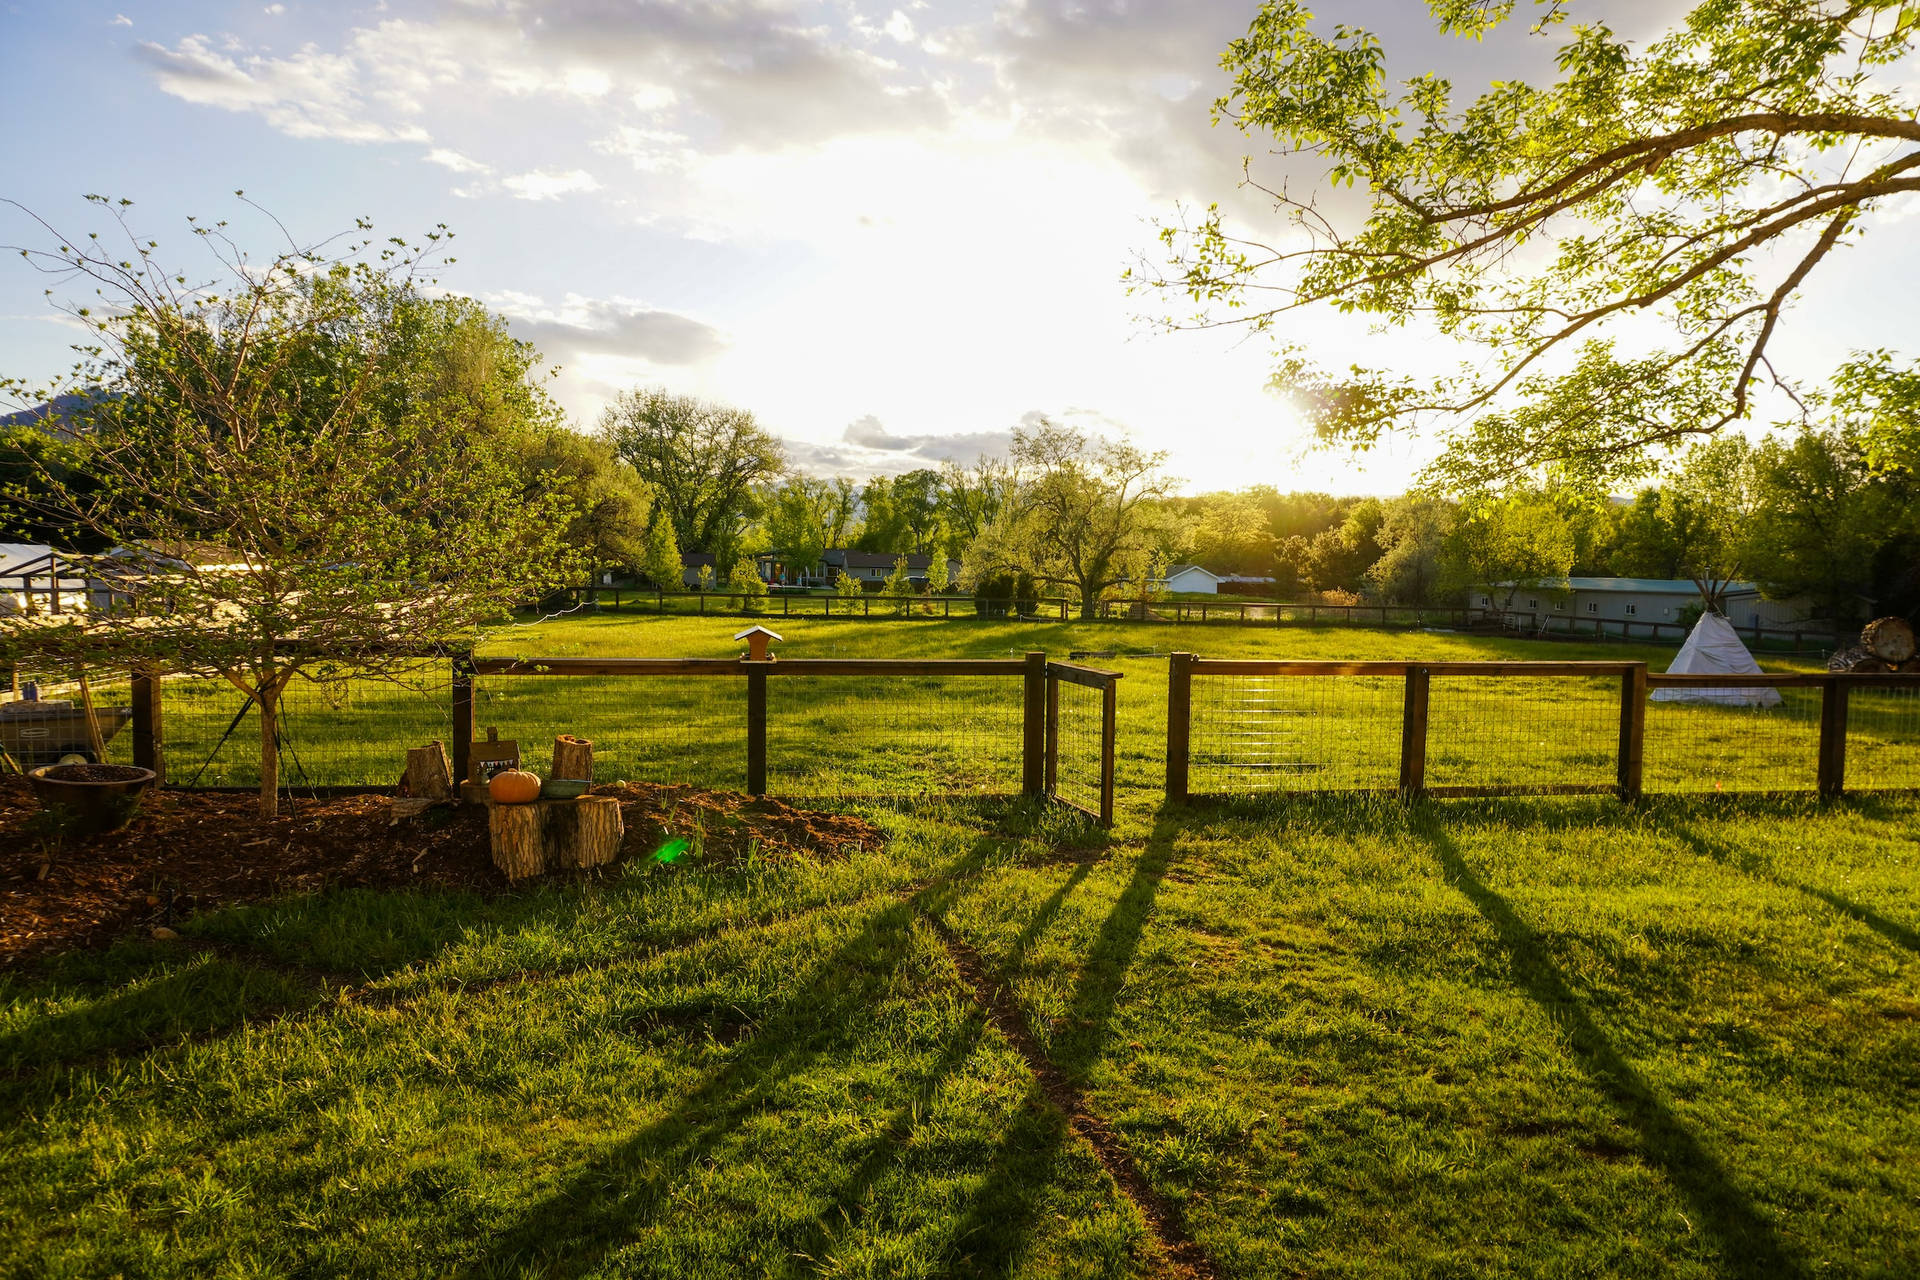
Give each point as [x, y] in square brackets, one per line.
[757, 655]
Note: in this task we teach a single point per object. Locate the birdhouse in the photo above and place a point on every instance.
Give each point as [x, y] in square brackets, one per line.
[757, 638]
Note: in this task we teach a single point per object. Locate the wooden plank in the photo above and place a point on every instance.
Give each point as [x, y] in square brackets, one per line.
[1633, 731]
[606, 666]
[1073, 673]
[1033, 745]
[1833, 740]
[1008, 667]
[462, 716]
[757, 730]
[1053, 731]
[1413, 734]
[149, 739]
[1289, 667]
[1179, 715]
[1109, 705]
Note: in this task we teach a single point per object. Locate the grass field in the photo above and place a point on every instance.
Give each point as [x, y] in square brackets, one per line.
[1328, 1037]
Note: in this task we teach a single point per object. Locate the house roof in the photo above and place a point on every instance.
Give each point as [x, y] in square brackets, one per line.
[1635, 586]
[1178, 569]
[694, 559]
[874, 559]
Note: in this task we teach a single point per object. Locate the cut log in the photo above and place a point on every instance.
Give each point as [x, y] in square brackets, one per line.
[585, 832]
[429, 774]
[572, 758]
[554, 834]
[515, 829]
[1857, 659]
[1890, 639]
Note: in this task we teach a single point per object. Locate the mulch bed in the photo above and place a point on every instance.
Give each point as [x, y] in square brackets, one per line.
[188, 852]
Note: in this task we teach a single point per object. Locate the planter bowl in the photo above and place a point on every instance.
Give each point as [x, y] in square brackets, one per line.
[90, 798]
[564, 788]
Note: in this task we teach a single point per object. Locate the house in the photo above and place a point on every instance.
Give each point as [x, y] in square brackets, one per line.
[1578, 603]
[873, 566]
[1192, 578]
[691, 563]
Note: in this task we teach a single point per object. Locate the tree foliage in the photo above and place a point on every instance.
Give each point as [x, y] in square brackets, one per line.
[1684, 190]
[703, 459]
[284, 483]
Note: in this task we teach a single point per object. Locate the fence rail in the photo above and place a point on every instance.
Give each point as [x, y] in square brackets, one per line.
[1529, 728]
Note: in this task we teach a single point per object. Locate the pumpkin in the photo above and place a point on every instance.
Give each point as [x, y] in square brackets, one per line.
[514, 786]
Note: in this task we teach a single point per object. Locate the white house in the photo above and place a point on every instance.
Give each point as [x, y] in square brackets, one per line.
[1192, 578]
[1577, 603]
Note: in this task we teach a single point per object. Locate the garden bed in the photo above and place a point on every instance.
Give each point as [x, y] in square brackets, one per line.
[192, 851]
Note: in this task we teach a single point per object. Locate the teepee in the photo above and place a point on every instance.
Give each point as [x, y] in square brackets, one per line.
[1714, 648]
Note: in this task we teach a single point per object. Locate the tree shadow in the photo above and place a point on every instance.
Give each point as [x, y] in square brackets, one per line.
[1713, 851]
[1750, 1246]
[1004, 1211]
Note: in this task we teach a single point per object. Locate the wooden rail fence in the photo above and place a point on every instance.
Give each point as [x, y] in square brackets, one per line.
[1629, 748]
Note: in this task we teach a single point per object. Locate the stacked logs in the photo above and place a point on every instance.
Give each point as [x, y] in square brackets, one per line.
[1886, 644]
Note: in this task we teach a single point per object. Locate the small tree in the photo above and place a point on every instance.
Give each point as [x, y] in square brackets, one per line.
[939, 576]
[745, 582]
[706, 577]
[848, 587]
[897, 587]
[662, 562]
[282, 487]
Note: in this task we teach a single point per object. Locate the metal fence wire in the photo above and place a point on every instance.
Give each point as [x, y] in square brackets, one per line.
[1727, 747]
[652, 730]
[338, 726]
[893, 735]
[1536, 732]
[1883, 739]
[1255, 733]
[1078, 722]
[44, 734]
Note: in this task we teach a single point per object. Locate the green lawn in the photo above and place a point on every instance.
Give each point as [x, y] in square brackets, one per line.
[1337, 1037]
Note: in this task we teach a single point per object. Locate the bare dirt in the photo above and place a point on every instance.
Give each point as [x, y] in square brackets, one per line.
[187, 852]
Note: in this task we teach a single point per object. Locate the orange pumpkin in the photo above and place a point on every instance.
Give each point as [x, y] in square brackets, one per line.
[514, 786]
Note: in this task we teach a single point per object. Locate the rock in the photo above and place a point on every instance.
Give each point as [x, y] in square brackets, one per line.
[163, 934]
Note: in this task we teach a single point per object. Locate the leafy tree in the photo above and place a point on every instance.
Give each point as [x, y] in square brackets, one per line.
[848, 587]
[612, 504]
[282, 493]
[897, 586]
[705, 576]
[702, 459]
[1084, 517]
[971, 498]
[1521, 541]
[804, 516]
[1688, 187]
[745, 581]
[39, 466]
[662, 563]
[1821, 518]
[902, 513]
[939, 576]
[1413, 538]
[1231, 533]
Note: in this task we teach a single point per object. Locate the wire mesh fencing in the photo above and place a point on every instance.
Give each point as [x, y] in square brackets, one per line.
[1522, 732]
[1252, 733]
[1883, 738]
[338, 726]
[44, 714]
[896, 735]
[1082, 705]
[1704, 745]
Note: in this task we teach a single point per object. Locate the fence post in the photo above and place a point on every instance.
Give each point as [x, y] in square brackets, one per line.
[149, 746]
[756, 731]
[1053, 731]
[462, 717]
[1833, 737]
[1033, 752]
[1179, 715]
[1413, 735]
[1109, 701]
[1633, 730]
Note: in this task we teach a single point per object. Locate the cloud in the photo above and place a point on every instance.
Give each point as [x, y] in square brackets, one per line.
[121, 20]
[310, 95]
[582, 327]
[455, 161]
[550, 184]
[866, 448]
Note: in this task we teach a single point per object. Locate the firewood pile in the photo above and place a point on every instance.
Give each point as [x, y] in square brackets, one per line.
[1886, 644]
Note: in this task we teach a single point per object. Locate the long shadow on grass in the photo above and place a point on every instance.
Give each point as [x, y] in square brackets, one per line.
[620, 1193]
[1893, 931]
[1003, 1213]
[1749, 1244]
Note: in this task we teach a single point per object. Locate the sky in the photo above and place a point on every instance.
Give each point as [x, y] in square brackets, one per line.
[894, 230]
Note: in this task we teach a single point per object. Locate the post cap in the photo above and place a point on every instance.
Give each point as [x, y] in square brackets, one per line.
[768, 632]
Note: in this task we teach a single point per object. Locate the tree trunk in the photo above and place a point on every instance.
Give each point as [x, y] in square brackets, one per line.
[572, 758]
[1890, 639]
[268, 700]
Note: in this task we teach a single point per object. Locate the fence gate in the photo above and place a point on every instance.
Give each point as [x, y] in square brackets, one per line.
[1081, 704]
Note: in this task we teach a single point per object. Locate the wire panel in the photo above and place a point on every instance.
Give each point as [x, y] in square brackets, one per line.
[1080, 715]
[339, 727]
[1523, 731]
[45, 735]
[1250, 733]
[1722, 747]
[893, 735]
[643, 729]
[1883, 738]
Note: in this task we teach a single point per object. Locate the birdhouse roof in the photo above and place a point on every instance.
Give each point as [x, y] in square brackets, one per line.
[758, 630]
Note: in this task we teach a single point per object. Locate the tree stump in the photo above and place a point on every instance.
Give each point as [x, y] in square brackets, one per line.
[553, 834]
[581, 833]
[572, 758]
[515, 829]
[429, 774]
[1890, 639]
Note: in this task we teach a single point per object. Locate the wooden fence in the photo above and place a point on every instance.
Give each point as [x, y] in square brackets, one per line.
[1778, 639]
[1250, 749]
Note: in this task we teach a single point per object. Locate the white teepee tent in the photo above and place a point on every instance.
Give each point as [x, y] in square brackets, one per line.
[1713, 648]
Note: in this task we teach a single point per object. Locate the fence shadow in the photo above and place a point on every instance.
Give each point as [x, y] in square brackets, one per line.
[1750, 1245]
